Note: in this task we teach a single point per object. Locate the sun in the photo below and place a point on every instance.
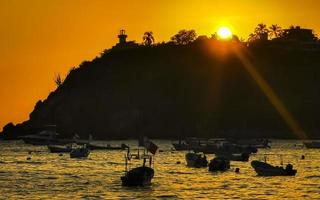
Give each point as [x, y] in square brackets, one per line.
[224, 33]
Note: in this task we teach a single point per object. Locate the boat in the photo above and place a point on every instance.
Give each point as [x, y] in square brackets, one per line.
[212, 146]
[48, 136]
[93, 146]
[140, 176]
[196, 160]
[265, 169]
[254, 143]
[60, 148]
[244, 157]
[80, 152]
[219, 164]
[312, 144]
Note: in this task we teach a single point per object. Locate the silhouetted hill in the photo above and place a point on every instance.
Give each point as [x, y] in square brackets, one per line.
[167, 91]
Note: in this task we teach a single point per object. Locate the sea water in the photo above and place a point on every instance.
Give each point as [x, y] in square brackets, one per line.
[52, 176]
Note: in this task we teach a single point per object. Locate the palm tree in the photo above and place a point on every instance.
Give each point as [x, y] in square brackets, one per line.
[261, 29]
[275, 31]
[260, 33]
[148, 38]
[58, 80]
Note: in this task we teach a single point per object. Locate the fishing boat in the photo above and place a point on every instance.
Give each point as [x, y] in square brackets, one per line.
[219, 164]
[265, 169]
[243, 157]
[60, 148]
[80, 152]
[93, 146]
[196, 160]
[312, 144]
[140, 176]
[255, 143]
[212, 146]
[47, 136]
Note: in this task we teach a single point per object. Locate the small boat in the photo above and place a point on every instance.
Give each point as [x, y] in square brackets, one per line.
[254, 143]
[92, 146]
[244, 157]
[312, 144]
[219, 164]
[196, 160]
[140, 176]
[213, 146]
[80, 152]
[265, 169]
[60, 148]
[48, 136]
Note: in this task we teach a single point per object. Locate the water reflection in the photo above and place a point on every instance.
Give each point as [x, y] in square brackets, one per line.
[98, 177]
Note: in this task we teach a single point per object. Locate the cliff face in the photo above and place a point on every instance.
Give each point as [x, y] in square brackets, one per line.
[172, 91]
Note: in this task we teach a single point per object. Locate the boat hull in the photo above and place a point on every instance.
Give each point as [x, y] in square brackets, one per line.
[140, 176]
[59, 149]
[79, 153]
[265, 169]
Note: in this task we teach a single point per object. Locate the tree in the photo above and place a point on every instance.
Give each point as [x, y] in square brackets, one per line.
[260, 33]
[58, 80]
[275, 31]
[184, 37]
[148, 38]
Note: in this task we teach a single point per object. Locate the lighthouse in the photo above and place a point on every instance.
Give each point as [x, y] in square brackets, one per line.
[122, 37]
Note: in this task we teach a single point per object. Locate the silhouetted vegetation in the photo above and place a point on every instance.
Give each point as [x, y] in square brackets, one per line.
[184, 37]
[187, 87]
[148, 38]
[58, 80]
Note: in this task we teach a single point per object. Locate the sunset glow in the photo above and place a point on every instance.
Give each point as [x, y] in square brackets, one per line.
[224, 33]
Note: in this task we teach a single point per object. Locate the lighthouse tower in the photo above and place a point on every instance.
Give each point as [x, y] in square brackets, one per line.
[122, 37]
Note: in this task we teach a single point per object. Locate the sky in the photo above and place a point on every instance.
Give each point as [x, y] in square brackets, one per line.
[41, 38]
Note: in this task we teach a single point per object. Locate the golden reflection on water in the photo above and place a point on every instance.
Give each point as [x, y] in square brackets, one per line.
[50, 176]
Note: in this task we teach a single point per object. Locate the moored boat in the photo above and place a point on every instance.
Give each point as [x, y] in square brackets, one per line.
[265, 169]
[244, 157]
[93, 146]
[60, 148]
[139, 176]
[80, 152]
[219, 164]
[312, 144]
[196, 160]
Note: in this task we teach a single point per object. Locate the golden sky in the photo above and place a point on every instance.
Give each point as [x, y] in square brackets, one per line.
[39, 38]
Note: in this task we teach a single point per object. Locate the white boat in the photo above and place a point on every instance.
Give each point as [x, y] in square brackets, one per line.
[80, 152]
[60, 148]
[312, 144]
[48, 136]
[244, 157]
[265, 169]
[196, 160]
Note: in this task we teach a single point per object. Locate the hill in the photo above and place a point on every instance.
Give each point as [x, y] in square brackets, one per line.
[169, 91]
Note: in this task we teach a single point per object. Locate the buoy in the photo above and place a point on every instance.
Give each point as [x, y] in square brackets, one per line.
[237, 170]
[302, 157]
[28, 158]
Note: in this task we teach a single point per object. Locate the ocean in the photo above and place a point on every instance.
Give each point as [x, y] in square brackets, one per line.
[53, 176]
